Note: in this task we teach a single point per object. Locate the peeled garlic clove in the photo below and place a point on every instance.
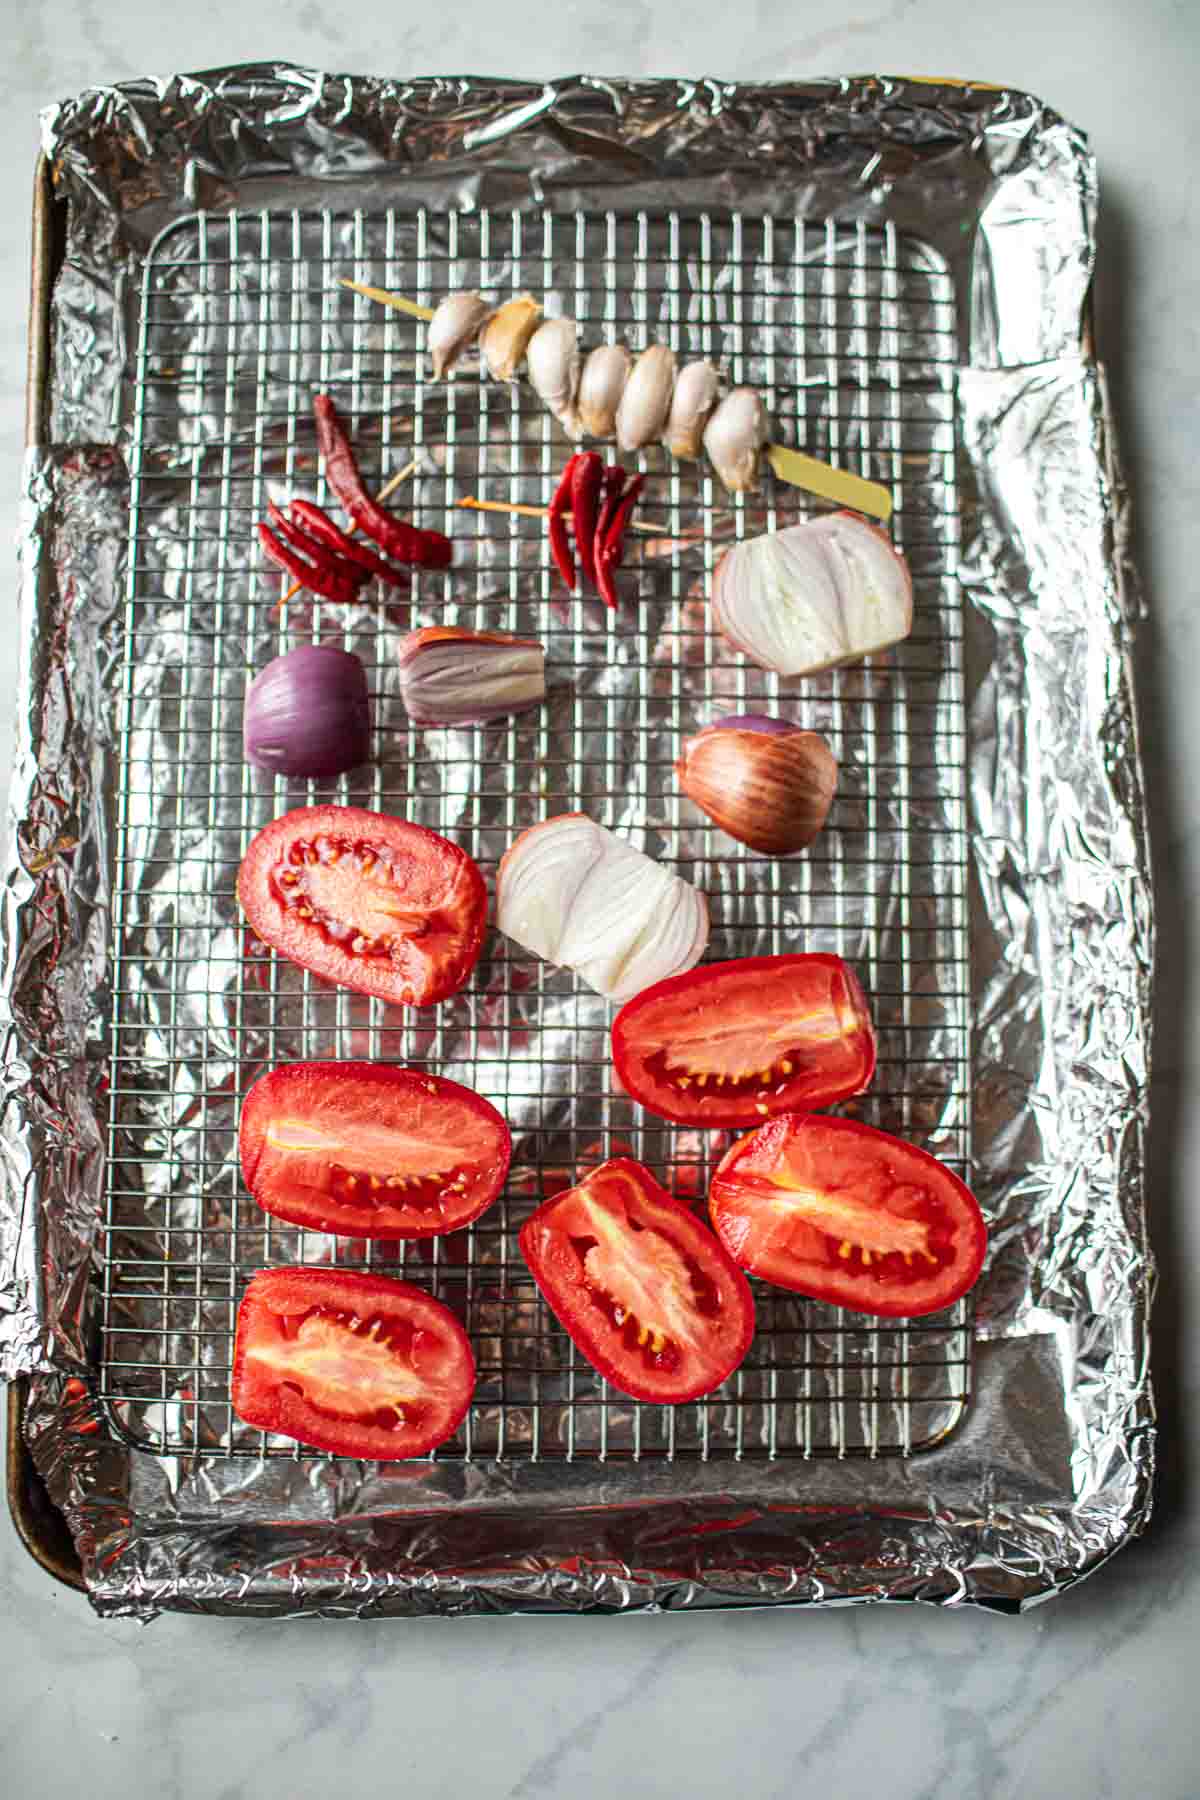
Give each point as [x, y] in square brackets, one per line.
[449, 676]
[646, 402]
[505, 338]
[553, 364]
[695, 396]
[455, 324]
[765, 782]
[813, 596]
[605, 374]
[734, 438]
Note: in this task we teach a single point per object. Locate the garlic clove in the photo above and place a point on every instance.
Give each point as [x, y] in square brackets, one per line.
[734, 438]
[646, 402]
[505, 337]
[605, 374]
[767, 784]
[456, 323]
[696, 393]
[814, 595]
[553, 364]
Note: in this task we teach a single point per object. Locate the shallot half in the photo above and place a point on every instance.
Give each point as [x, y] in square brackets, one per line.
[449, 676]
[815, 595]
[579, 896]
[767, 783]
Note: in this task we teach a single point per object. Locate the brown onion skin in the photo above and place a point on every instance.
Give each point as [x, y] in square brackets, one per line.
[767, 788]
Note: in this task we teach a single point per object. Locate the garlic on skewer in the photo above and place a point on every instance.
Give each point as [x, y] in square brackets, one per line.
[454, 326]
[505, 338]
[553, 364]
[734, 438]
[646, 401]
[697, 390]
[605, 373]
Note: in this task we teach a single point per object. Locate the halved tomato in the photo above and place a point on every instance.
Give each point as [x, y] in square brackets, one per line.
[642, 1287]
[848, 1214]
[733, 1043]
[371, 1151]
[371, 902]
[352, 1363]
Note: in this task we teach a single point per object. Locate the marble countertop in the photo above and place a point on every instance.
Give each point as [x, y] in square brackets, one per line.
[1089, 1696]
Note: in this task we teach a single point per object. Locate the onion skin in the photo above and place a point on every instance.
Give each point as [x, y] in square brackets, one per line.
[768, 784]
[308, 713]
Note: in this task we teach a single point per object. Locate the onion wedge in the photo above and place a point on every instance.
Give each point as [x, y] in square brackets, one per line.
[581, 897]
[813, 596]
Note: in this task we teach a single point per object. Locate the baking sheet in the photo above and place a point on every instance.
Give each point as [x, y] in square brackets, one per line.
[1050, 1470]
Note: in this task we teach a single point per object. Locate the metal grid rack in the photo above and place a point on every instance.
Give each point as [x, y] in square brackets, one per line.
[851, 334]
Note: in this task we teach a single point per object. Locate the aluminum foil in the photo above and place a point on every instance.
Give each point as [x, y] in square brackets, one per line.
[1050, 1471]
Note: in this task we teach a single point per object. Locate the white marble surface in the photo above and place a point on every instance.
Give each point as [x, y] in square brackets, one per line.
[1092, 1696]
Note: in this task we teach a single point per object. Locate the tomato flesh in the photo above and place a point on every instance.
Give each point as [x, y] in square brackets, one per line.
[356, 1364]
[737, 1042]
[370, 902]
[640, 1285]
[849, 1215]
[371, 1151]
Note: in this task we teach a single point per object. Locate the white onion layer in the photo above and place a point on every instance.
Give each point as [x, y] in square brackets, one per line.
[813, 596]
[579, 896]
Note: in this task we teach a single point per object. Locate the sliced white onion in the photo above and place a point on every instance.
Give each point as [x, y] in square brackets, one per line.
[813, 596]
[578, 895]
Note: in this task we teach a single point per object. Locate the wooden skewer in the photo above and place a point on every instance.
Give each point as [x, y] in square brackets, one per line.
[398, 480]
[792, 466]
[543, 512]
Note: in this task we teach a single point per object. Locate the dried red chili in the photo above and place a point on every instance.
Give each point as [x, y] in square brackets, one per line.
[319, 524]
[402, 541]
[610, 547]
[327, 579]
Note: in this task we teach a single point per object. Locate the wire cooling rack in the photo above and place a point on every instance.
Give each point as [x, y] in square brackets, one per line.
[851, 335]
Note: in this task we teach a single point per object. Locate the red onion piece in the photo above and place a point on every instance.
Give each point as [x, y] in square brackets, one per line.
[307, 713]
[753, 722]
[450, 676]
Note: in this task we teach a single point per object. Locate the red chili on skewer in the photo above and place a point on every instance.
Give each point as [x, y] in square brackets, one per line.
[610, 548]
[319, 525]
[403, 542]
[560, 543]
[326, 579]
[587, 474]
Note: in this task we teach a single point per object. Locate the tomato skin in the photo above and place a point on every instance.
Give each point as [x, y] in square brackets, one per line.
[437, 1372]
[732, 1010]
[431, 885]
[370, 1120]
[872, 1224]
[718, 1314]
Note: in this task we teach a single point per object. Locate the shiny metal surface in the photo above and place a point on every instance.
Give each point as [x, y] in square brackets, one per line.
[930, 238]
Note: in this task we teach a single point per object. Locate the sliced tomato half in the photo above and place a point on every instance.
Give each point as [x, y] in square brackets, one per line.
[356, 1364]
[371, 1151]
[642, 1287]
[850, 1215]
[367, 901]
[734, 1043]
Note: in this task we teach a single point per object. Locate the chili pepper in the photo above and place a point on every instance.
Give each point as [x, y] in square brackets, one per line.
[331, 582]
[319, 524]
[312, 547]
[560, 543]
[611, 547]
[611, 485]
[586, 481]
[402, 541]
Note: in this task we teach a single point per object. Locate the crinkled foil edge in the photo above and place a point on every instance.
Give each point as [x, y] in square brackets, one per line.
[1052, 1471]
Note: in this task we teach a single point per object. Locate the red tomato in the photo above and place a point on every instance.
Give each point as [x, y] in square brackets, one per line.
[734, 1043]
[371, 1151]
[848, 1214]
[642, 1287]
[367, 901]
[352, 1363]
